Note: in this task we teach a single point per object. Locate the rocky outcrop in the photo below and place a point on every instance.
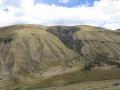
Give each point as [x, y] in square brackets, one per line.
[65, 34]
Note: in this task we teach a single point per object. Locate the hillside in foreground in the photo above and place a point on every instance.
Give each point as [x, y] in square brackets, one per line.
[34, 56]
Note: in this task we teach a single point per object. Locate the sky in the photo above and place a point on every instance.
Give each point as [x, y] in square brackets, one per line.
[101, 13]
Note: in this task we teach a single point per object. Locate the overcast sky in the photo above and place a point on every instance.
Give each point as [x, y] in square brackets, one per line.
[102, 13]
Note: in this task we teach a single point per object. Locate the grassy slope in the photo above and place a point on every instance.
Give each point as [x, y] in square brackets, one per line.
[99, 85]
[44, 60]
[33, 50]
[99, 44]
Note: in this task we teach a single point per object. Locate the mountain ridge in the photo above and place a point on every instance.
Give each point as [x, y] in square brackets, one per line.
[53, 55]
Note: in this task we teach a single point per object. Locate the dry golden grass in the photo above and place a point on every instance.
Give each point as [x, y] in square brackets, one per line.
[35, 58]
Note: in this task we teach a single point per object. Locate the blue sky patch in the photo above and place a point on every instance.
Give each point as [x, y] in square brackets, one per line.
[70, 3]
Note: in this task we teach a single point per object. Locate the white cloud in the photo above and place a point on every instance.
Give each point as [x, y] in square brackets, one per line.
[64, 1]
[6, 19]
[104, 13]
[27, 3]
[0, 2]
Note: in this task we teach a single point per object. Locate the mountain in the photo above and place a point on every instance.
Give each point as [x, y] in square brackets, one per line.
[42, 56]
[118, 30]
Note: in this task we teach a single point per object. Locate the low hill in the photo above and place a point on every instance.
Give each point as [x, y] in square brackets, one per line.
[29, 50]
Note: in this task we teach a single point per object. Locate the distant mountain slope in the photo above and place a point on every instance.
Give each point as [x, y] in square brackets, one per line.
[58, 55]
[97, 45]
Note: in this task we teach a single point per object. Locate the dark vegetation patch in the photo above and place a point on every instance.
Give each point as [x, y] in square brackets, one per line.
[6, 40]
[98, 60]
[65, 34]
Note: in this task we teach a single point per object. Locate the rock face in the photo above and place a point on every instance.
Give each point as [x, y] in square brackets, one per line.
[59, 54]
[64, 33]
